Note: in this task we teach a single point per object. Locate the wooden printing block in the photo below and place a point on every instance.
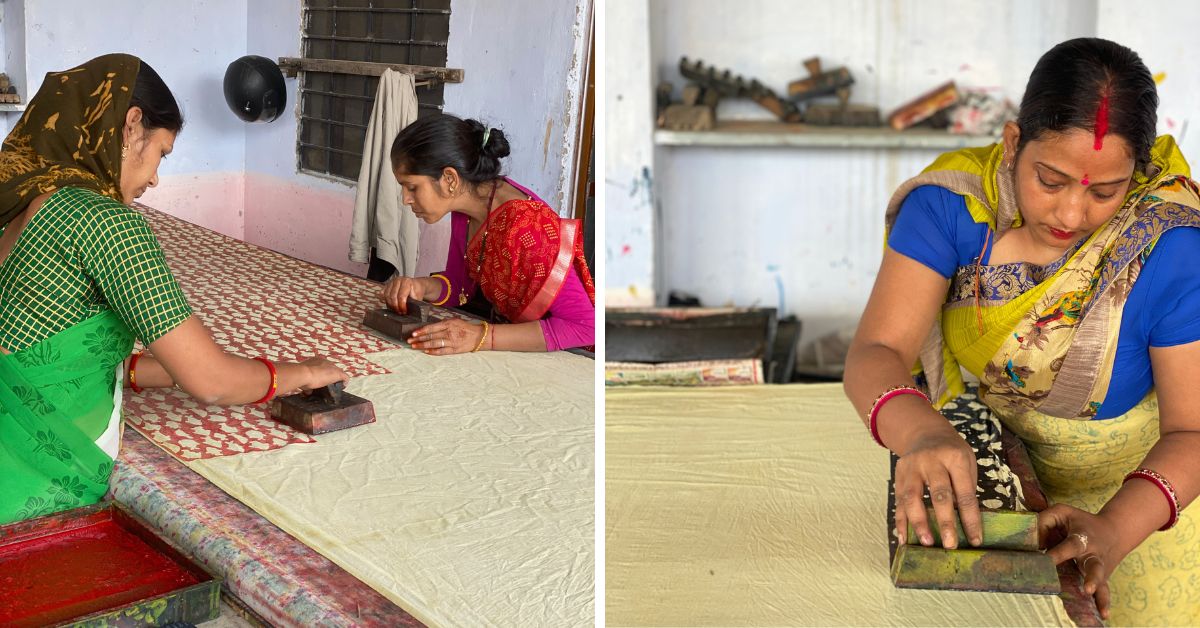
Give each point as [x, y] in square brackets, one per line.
[689, 118]
[842, 115]
[1002, 529]
[326, 409]
[924, 106]
[820, 84]
[400, 326]
[1008, 571]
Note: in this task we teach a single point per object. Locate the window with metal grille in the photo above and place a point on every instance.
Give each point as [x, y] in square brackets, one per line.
[335, 108]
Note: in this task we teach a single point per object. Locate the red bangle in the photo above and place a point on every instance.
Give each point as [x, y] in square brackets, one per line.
[133, 360]
[1163, 485]
[274, 381]
[886, 396]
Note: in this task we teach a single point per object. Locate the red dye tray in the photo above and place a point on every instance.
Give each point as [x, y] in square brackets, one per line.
[101, 565]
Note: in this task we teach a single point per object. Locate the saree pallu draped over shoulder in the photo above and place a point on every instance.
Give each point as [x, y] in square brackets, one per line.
[529, 252]
[1042, 341]
[51, 395]
[1048, 345]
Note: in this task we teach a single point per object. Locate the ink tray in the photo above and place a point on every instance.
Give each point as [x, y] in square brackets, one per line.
[99, 565]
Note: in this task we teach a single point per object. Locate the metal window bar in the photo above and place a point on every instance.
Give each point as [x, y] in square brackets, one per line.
[338, 156]
[356, 125]
[372, 40]
[380, 10]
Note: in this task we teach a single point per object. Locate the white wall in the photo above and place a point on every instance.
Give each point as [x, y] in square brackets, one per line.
[802, 228]
[189, 45]
[523, 75]
[12, 28]
[630, 229]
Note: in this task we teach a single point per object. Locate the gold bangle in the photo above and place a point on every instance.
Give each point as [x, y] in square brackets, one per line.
[482, 338]
[449, 289]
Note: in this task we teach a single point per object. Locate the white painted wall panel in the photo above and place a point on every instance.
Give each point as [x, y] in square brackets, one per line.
[628, 198]
[803, 228]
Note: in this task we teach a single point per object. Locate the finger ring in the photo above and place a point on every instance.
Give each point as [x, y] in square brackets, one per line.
[1083, 540]
[1083, 565]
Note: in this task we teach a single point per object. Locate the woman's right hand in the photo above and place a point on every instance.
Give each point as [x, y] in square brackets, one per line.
[939, 458]
[398, 290]
[320, 372]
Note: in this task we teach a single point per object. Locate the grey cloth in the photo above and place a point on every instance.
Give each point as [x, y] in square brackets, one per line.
[381, 219]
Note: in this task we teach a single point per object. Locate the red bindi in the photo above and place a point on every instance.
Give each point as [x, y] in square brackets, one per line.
[1101, 123]
[1084, 181]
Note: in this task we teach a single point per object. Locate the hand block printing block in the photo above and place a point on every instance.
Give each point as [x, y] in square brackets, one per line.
[1008, 560]
[325, 409]
[396, 325]
[401, 326]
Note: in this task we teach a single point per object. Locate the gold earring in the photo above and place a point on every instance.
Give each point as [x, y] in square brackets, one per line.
[124, 151]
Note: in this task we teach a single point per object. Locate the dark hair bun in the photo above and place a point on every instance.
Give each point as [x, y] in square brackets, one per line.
[497, 144]
[435, 142]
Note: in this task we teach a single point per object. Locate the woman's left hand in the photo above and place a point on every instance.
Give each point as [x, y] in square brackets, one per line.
[447, 337]
[1091, 540]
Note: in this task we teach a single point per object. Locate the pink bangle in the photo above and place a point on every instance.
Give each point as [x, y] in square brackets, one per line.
[1163, 485]
[883, 398]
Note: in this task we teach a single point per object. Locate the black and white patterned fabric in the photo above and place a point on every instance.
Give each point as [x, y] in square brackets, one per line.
[998, 487]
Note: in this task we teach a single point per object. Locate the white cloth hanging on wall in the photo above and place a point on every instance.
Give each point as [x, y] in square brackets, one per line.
[381, 219]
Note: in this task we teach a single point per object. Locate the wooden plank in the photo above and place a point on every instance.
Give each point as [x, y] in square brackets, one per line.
[920, 567]
[292, 65]
[759, 133]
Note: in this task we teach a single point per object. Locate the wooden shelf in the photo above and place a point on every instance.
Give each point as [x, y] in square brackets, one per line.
[9, 107]
[767, 134]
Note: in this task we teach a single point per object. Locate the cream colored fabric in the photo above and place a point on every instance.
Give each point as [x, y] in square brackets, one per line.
[468, 503]
[381, 219]
[762, 506]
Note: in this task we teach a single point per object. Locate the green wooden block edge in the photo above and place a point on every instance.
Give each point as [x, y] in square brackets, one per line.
[1007, 571]
[1002, 529]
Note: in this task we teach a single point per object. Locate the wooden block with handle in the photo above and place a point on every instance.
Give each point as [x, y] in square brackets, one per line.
[1002, 529]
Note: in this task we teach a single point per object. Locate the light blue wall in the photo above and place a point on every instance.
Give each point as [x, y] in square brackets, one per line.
[188, 43]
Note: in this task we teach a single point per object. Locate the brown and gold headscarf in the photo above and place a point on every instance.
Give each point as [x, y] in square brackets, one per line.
[70, 134]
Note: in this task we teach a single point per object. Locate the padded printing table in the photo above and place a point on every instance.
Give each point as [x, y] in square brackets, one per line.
[468, 501]
[763, 505]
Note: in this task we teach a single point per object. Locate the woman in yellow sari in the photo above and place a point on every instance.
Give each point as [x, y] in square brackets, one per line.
[1058, 267]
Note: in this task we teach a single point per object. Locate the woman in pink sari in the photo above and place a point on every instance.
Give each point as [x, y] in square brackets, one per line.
[506, 245]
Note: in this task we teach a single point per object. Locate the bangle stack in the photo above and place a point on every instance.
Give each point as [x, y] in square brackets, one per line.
[486, 326]
[274, 381]
[132, 373]
[1163, 485]
[883, 398]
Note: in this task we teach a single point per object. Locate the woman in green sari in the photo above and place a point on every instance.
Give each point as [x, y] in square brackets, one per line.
[82, 276]
[1058, 267]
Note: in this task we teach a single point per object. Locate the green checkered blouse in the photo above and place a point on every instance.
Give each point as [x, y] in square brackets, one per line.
[81, 254]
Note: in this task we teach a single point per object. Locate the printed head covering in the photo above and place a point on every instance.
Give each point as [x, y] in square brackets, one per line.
[70, 134]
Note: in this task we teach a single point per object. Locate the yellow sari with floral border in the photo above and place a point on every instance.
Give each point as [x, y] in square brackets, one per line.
[1043, 349]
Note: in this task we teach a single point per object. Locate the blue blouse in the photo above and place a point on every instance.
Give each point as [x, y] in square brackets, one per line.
[1163, 310]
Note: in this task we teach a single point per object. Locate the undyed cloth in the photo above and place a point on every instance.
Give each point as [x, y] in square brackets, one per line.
[762, 506]
[468, 503]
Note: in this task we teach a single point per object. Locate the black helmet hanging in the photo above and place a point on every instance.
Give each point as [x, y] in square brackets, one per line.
[254, 89]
